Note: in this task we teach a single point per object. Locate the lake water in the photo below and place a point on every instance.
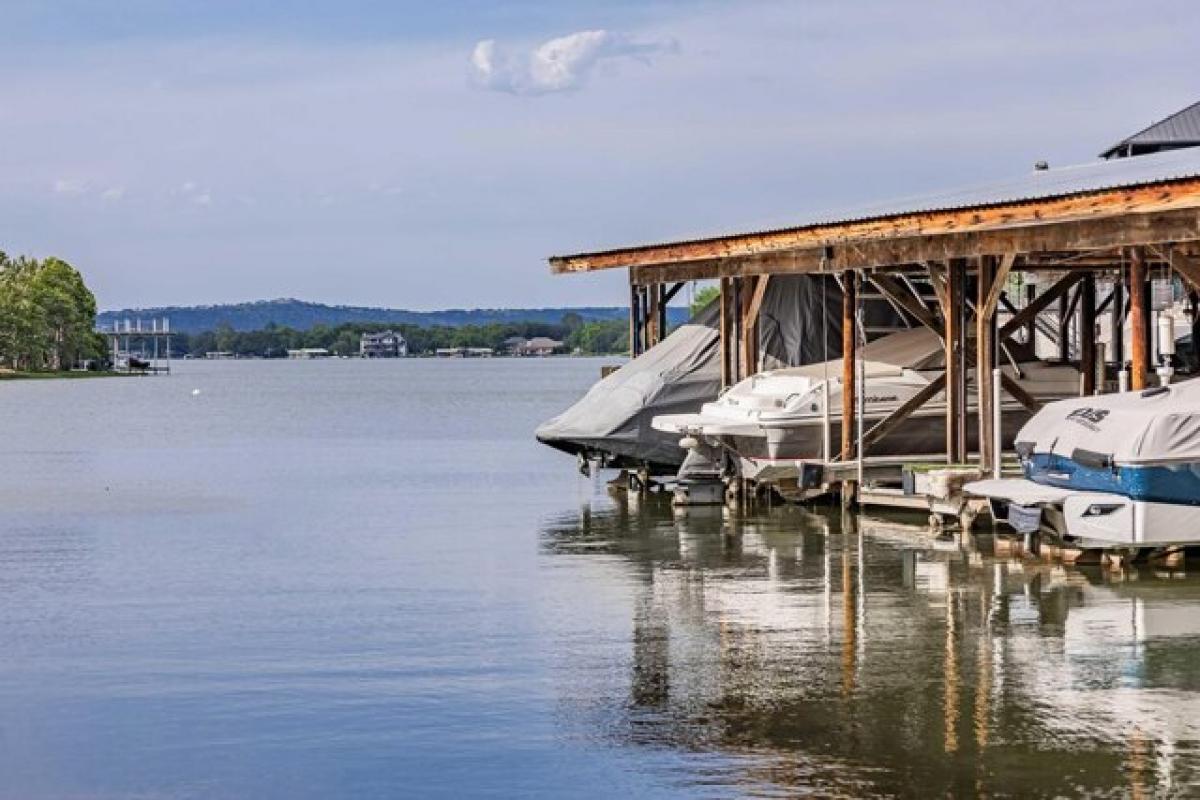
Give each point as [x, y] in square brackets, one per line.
[365, 579]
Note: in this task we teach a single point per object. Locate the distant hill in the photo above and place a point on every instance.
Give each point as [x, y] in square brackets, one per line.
[302, 316]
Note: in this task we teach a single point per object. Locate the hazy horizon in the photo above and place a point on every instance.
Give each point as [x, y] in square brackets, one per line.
[425, 157]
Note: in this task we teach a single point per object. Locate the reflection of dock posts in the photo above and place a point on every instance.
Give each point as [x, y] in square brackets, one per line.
[849, 384]
[849, 605]
[950, 677]
[1139, 300]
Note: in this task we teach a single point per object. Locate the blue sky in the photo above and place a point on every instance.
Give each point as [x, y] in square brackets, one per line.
[432, 155]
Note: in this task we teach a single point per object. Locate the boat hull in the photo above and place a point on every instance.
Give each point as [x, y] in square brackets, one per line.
[778, 450]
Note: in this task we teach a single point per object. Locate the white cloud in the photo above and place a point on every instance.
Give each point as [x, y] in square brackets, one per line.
[561, 64]
[188, 187]
[204, 199]
[70, 187]
[113, 194]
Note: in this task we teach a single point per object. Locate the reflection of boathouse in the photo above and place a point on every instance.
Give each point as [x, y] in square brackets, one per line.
[873, 659]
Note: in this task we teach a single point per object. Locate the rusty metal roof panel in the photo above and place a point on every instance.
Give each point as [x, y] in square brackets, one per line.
[1033, 186]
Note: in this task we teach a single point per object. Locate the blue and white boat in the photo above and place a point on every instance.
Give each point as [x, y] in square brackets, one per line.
[1108, 471]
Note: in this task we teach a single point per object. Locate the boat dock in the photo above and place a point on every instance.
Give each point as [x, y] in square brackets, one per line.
[139, 347]
[1050, 260]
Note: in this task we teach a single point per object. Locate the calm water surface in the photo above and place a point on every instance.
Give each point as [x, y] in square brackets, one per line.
[363, 579]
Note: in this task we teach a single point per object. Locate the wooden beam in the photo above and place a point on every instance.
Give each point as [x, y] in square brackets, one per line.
[674, 290]
[1188, 267]
[635, 308]
[1138, 320]
[748, 325]
[1179, 226]
[1038, 305]
[726, 332]
[1065, 307]
[899, 294]
[891, 421]
[1117, 321]
[990, 277]
[1087, 334]
[1018, 393]
[760, 293]
[1145, 202]
[937, 279]
[955, 340]
[987, 305]
[849, 363]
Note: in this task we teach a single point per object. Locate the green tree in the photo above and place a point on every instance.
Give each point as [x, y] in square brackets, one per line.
[47, 315]
[703, 297]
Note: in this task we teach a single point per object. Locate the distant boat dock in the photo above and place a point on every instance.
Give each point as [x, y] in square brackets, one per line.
[140, 347]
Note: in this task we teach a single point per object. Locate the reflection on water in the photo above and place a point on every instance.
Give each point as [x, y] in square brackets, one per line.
[851, 656]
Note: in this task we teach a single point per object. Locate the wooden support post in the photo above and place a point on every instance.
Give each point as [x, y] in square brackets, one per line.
[1087, 334]
[1139, 322]
[651, 315]
[735, 318]
[635, 310]
[1064, 328]
[987, 286]
[1031, 328]
[1118, 322]
[662, 312]
[956, 270]
[849, 363]
[725, 332]
[752, 300]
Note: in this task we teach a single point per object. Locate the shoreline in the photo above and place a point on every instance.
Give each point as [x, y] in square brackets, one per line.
[67, 375]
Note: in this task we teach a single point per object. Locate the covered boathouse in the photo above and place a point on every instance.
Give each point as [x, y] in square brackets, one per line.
[1103, 228]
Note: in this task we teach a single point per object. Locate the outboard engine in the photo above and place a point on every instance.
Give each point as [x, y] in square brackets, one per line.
[699, 481]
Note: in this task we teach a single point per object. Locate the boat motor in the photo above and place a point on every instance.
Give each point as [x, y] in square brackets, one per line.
[1166, 347]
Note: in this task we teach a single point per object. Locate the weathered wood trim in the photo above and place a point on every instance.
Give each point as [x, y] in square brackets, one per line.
[1080, 208]
[1139, 355]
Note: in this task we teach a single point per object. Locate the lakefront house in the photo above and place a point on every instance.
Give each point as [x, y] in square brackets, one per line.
[386, 344]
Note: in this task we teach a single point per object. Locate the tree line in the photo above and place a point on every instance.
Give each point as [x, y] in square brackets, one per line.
[47, 315]
[273, 341]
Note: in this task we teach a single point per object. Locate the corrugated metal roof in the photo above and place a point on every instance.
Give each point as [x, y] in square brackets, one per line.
[1035, 185]
[1181, 128]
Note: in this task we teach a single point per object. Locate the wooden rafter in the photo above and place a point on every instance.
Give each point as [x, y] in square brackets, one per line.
[1018, 393]
[993, 297]
[888, 424]
[1039, 304]
[902, 296]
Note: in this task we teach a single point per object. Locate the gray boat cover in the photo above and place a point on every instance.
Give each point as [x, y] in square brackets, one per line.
[1153, 426]
[682, 372]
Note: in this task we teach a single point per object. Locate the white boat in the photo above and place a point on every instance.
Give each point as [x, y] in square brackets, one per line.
[1108, 471]
[775, 420]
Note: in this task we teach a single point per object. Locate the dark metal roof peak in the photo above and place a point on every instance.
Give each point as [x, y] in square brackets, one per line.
[1181, 129]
